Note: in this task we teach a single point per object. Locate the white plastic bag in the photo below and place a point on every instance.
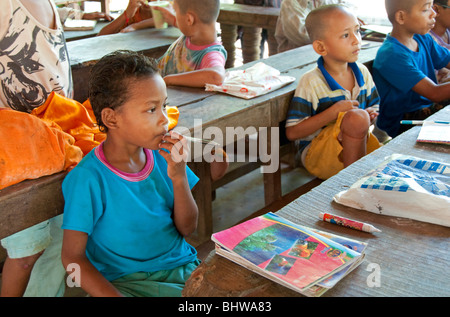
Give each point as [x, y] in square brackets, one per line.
[403, 186]
[251, 82]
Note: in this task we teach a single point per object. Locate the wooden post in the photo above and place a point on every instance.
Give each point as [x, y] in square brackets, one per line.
[253, 19]
[229, 37]
[202, 193]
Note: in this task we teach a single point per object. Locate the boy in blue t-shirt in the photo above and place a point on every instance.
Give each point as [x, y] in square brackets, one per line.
[128, 203]
[404, 68]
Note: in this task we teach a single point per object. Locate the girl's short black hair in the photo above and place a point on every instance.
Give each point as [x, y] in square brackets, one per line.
[111, 76]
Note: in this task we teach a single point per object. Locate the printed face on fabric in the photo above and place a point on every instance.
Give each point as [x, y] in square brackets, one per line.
[21, 65]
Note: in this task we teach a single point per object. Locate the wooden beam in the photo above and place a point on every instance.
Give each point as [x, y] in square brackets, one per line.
[247, 15]
[30, 202]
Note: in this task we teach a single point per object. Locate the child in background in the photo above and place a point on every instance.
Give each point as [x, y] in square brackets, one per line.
[441, 34]
[332, 108]
[196, 58]
[128, 203]
[405, 65]
[440, 31]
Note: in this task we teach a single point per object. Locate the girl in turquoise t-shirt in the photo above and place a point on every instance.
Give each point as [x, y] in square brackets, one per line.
[128, 204]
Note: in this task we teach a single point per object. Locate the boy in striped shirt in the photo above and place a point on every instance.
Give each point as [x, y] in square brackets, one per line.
[335, 103]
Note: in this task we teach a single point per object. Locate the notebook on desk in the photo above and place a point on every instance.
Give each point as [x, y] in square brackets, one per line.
[374, 32]
[300, 258]
[434, 132]
[79, 25]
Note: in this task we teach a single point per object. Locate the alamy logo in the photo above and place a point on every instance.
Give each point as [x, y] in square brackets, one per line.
[374, 278]
[261, 148]
[74, 277]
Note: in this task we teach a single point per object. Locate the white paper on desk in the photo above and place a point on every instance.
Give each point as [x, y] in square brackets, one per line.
[382, 29]
[403, 186]
[79, 25]
[434, 132]
[254, 81]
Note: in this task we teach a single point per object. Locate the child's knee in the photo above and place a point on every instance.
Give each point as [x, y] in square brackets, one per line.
[356, 123]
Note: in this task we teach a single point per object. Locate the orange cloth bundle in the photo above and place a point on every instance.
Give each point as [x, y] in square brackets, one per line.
[53, 138]
[172, 114]
[31, 148]
[79, 121]
[74, 118]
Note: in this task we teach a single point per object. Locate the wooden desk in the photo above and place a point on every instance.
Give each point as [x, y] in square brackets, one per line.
[78, 35]
[253, 19]
[214, 109]
[247, 15]
[413, 256]
[86, 52]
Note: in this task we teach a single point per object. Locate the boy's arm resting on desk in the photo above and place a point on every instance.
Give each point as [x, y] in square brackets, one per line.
[197, 78]
[122, 20]
[114, 27]
[436, 93]
[148, 23]
[311, 124]
[97, 16]
[74, 251]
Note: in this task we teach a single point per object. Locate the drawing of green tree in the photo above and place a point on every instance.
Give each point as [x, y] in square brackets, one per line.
[260, 240]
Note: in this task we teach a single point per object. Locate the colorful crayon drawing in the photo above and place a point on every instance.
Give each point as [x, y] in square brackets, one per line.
[303, 249]
[280, 264]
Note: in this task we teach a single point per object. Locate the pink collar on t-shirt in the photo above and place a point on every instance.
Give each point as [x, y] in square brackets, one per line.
[132, 177]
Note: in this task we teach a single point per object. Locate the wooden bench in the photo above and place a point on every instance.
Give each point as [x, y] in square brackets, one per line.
[253, 18]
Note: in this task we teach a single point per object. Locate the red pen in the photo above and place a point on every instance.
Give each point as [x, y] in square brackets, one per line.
[347, 222]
